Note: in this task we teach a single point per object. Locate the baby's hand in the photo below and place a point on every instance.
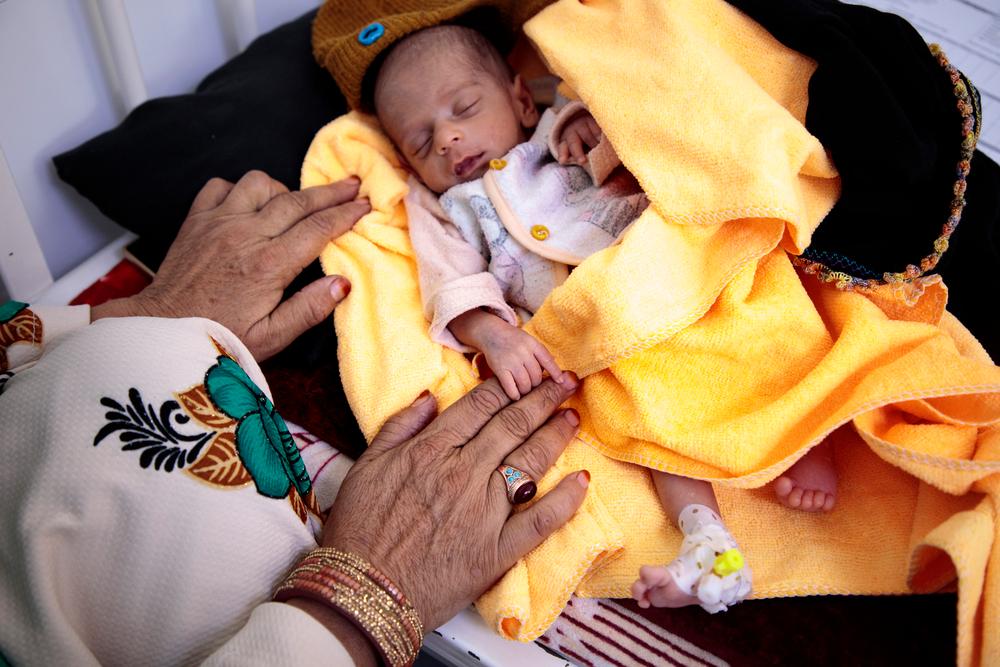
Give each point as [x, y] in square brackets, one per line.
[578, 136]
[517, 359]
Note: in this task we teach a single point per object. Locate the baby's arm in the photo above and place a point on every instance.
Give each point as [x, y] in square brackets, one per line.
[515, 356]
[453, 275]
[464, 302]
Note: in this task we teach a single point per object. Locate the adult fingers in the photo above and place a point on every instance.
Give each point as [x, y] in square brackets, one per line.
[306, 239]
[212, 194]
[252, 192]
[405, 424]
[463, 419]
[304, 310]
[541, 450]
[516, 422]
[284, 212]
[526, 530]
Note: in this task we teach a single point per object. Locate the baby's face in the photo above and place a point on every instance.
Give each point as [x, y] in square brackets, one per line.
[448, 120]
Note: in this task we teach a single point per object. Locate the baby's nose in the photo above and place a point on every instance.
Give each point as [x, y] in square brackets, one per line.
[448, 138]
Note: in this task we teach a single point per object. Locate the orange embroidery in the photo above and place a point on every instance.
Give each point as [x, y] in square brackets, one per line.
[24, 327]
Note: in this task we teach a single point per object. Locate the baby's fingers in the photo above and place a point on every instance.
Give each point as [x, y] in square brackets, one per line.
[563, 156]
[576, 147]
[534, 371]
[509, 384]
[592, 133]
[548, 363]
[522, 378]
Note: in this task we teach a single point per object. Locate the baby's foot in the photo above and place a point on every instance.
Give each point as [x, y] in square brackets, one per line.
[656, 587]
[708, 571]
[811, 484]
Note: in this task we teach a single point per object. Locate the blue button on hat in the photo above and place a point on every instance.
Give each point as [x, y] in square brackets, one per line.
[371, 33]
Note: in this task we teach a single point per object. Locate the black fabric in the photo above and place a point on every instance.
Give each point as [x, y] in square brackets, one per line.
[884, 108]
[971, 266]
[258, 111]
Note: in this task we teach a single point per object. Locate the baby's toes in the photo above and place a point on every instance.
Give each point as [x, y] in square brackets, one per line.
[829, 502]
[822, 502]
[783, 486]
[639, 590]
[819, 501]
[654, 575]
[807, 501]
[794, 499]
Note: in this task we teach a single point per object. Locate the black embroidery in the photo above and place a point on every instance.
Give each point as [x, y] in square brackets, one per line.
[141, 427]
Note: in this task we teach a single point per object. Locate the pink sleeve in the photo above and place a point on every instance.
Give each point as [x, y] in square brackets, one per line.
[453, 275]
[602, 158]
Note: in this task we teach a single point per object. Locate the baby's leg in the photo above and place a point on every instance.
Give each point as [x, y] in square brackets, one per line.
[709, 570]
[811, 484]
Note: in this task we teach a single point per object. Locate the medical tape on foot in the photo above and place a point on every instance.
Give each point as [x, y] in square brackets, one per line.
[710, 565]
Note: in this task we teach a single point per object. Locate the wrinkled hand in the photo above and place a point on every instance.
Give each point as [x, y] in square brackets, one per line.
[426, 506]
[517, 359]
[239, 248]
[579, 135]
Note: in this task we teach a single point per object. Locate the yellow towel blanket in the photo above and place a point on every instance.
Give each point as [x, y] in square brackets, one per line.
[705, 352]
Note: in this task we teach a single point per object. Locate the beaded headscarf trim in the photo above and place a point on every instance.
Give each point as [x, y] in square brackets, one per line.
[968, 103]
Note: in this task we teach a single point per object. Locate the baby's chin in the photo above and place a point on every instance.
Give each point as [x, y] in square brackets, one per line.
[476, 173]
[440, 188]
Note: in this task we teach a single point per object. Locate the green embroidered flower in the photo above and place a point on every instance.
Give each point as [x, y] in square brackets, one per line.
[10, 309]
[262, 440]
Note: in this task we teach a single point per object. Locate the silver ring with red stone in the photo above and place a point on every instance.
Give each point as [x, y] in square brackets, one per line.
[520, 487]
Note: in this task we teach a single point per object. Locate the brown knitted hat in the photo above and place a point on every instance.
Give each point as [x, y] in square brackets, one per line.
[348, 35]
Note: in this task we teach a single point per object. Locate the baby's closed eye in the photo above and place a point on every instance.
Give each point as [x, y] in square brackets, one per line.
[423, 145]
[466, 107]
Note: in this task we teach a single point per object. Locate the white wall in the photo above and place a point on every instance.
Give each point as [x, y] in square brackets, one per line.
[54, 97]
[56, 91]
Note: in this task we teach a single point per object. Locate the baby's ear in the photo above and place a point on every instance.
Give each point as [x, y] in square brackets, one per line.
[524, 104]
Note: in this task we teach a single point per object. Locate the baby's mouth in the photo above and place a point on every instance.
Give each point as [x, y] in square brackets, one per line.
[467, 165]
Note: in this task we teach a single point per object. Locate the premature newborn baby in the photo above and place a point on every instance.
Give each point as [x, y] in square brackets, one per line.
[515, 213]
[512, 219]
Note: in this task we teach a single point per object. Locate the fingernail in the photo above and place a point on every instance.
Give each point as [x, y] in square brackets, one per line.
[340, 288]
[573, 417]
[424, 396]
[583, 478]
[354, 179]
[570, 380]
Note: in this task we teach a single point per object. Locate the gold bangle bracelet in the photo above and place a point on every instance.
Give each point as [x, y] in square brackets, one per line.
[356, 589]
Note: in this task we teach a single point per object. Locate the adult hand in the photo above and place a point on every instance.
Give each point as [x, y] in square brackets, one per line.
[426, 505]
[239, 248]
